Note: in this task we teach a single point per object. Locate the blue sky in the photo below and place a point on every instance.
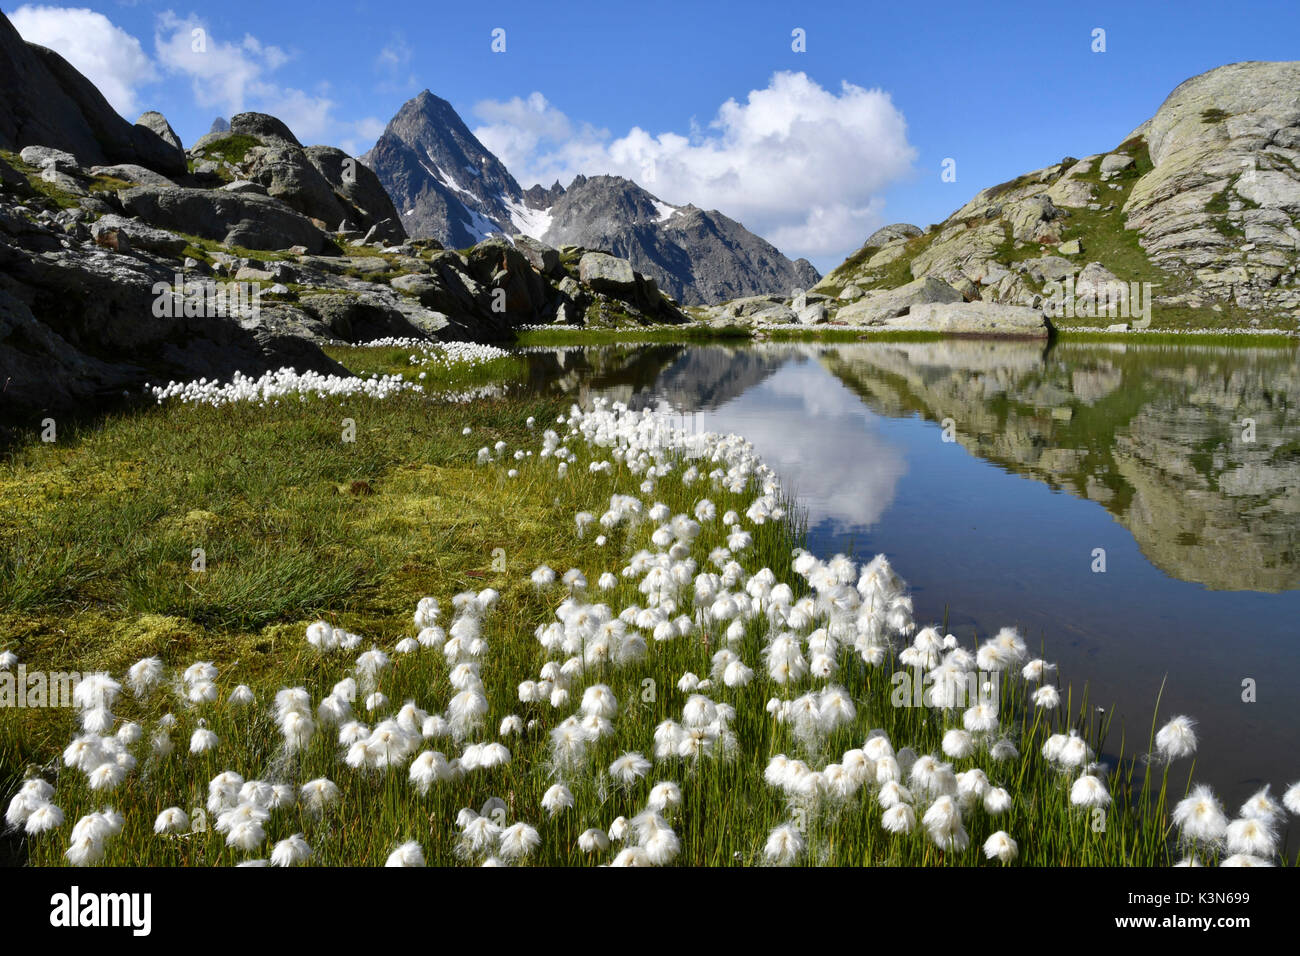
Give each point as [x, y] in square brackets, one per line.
[811, 164]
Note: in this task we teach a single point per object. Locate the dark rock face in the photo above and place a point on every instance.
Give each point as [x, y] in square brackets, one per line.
[44, 101]
[237, 219]
[78, 323]
[542, 257]
[366, 203]
[289, 176]
[172, 158]
[443, 181]
[535, 197]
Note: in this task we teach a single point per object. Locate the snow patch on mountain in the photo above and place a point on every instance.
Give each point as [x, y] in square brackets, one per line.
[530, 222]
[665, 211]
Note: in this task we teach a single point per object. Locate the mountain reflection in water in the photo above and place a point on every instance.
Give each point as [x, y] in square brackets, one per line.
[1157, 435]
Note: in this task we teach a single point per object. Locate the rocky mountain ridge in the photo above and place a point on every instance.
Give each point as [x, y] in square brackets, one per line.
[449, 187]
[1192, 221]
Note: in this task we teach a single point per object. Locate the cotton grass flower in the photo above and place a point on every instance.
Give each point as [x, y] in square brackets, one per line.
[958, 744]
[106, 776]
[1089, 791]
[293, 851]
[599, 700]
[408, 854]
[44, 816]
[664, 796]
[429, 768]
[1000, 847]
[593, 841]
[1262, 806]
[943, 822]
[997, 801]
[900, 818]
[1291, 799]
[981, 718]
[1252, 836]
[247, 835]
[785, 844]
[518, 841]
[144, 675]
[631, 856]
[479, 836]
[1047, 697]
[318, 794]
[1177, 738]
[557, 799]
[171, 820]
[1200, 817]
[629, 768]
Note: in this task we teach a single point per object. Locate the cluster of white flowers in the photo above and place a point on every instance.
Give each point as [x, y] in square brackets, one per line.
[847, 616]
[284, 383]
[1252, 839]
[271, 387]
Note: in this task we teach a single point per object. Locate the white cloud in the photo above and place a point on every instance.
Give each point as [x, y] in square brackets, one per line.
[231, 77]
[801, 165]
[395, 57]
[362, 135]
[109, 57]
[393, 67]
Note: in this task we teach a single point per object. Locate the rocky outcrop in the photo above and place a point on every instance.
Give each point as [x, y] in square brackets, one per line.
[359, 191]
[44, 101]
[263, 127]
[606, 273]
[974, 318]
[101, 296]
[1223, 195]
[1209, 187]
[336, 192]
[80, 322]
[114, 274]
[886, 304]
[288, 175]
[235, 219]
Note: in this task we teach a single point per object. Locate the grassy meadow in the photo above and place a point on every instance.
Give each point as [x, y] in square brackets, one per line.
[298, 525]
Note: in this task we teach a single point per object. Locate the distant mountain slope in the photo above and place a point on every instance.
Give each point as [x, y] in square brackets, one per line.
[694, 255]
[447, 186]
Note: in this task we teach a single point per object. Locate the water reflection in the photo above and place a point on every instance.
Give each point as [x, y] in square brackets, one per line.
[1161, 436]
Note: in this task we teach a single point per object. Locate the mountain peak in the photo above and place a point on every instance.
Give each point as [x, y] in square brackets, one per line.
[448, 186]
[444, 182]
